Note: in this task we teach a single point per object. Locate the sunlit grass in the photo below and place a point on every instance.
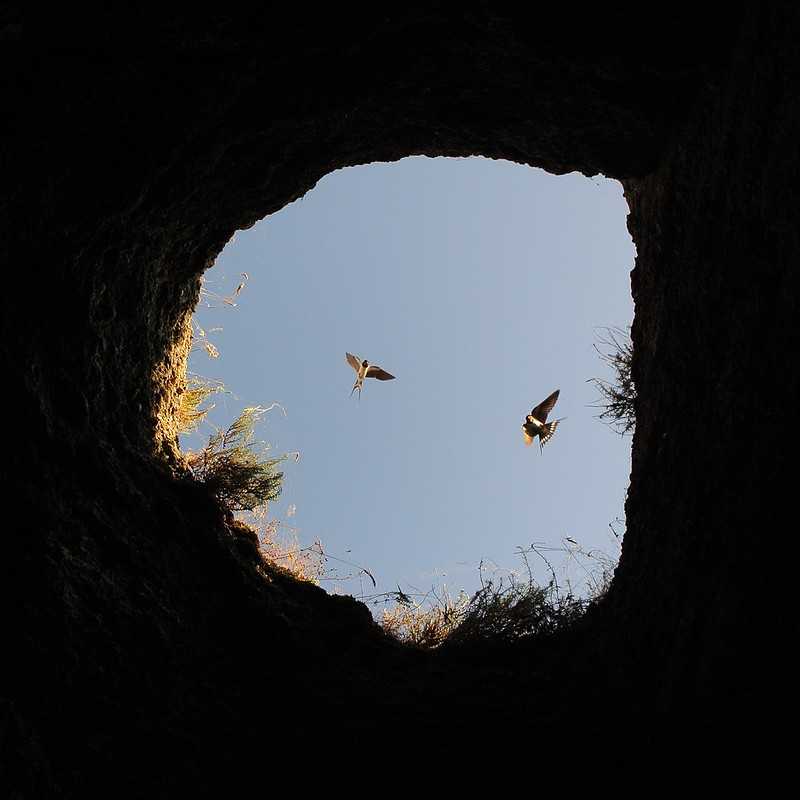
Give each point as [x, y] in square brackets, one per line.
[190, 413]
[279, 544]
[501, 611]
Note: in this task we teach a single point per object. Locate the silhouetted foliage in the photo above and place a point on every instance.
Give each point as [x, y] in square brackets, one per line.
[516, 610]
[500, 611]
[618, 396]
[503, 610]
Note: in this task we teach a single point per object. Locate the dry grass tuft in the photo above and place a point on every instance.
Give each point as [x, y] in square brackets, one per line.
[499, 612]
[278, 544]
[424, 627]
[505, 610]
[197, 391]
[234, 467]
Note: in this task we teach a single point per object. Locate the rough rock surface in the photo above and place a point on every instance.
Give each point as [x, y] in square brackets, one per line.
[142, 637]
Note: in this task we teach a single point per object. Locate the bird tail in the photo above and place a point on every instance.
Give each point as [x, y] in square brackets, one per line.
[548, 429]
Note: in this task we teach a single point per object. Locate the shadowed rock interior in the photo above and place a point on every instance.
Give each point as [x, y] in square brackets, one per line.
[144, 637]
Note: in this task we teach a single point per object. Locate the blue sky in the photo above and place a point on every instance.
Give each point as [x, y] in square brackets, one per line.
[480, 284]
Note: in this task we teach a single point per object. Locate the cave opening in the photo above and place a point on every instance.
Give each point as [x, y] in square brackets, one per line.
[146, 647]
[483, 285]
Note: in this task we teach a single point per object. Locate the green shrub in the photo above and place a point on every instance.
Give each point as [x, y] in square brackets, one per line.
[233, 467]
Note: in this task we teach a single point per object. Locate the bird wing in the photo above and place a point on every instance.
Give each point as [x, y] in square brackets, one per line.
[353, 362]
[381, 374]
[545, 407]
[527, 437]
[548, 432]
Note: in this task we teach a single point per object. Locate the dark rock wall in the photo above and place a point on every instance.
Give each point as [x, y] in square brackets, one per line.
[135, 612]
[711, 505]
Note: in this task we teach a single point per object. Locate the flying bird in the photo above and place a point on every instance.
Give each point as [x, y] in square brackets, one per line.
[536, 423]
[366, 370]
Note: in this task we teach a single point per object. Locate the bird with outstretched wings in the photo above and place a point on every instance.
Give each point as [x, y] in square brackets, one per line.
[364, 369]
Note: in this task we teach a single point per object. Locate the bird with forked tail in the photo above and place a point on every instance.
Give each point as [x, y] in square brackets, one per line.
[365, 370]
[536, 423]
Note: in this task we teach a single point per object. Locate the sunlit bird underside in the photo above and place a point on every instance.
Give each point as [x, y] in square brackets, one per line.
[536, 424]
